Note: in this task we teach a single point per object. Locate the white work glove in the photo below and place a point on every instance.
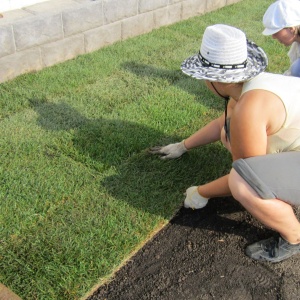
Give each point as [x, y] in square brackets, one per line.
[170, 151]
[193, 199]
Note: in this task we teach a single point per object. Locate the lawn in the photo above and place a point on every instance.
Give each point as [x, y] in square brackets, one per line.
[79, 192]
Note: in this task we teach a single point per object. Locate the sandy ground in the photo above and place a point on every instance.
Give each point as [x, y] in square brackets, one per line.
[200, 255]
[7, 294]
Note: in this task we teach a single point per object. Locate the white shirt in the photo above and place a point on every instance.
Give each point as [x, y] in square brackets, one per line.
[287, 88]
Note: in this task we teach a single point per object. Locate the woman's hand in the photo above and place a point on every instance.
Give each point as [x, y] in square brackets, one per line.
[193, 199]
[170, 151]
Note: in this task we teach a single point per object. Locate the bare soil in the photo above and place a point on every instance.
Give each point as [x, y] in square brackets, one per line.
[200, 255]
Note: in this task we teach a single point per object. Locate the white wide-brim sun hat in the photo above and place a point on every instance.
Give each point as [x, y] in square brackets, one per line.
[281, 14]
[225, 56]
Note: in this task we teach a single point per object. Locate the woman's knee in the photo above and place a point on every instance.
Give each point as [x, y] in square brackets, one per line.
[238, 186]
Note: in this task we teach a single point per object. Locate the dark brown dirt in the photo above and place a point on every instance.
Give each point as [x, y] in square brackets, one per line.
[200, 255]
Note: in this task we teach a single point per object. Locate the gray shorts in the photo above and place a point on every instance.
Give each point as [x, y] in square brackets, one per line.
[273, 175]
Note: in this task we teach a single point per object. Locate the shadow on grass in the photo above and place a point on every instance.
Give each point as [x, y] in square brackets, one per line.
[99, 143]
[178, 79]
[142, 180]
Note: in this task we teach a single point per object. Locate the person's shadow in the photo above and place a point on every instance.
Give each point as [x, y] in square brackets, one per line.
[101, 143]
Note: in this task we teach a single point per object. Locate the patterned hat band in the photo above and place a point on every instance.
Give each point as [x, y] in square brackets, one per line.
[219, 66]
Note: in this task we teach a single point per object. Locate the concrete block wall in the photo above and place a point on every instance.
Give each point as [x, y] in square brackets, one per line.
[54, 31]
[6, 5]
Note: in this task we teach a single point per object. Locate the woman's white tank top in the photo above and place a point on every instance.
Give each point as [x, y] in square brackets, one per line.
[287, 88]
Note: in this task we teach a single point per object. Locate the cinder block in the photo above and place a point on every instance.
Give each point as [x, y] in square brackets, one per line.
[160, 3]
[214, 4]
[20, 63]
[115, 10]
[62, 50]
[34, 31]
[161, 17]
[151, 5]
[52, 6]
[103, 36]
[82, 18]
[167, 15]
[6, 41]
[9, 17]
[137, 25]
[175, 13]
[145, 6]
[192, 8]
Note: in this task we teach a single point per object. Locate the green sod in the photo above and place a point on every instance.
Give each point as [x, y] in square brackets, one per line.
[79, 192]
